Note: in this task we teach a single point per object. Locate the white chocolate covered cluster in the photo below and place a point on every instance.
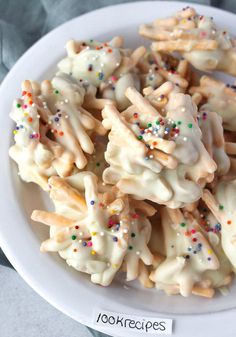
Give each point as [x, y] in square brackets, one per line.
[94, 232]
[157, 157]
[196, 38]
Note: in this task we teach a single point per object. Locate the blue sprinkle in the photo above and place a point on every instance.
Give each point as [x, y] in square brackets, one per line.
[100, 76]
[92, 202]
[115, 239]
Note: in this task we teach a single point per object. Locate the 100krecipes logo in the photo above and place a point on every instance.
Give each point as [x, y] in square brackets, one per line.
[133, 323]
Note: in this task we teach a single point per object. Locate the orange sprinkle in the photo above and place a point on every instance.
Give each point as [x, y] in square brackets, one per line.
[187, 233]
[29, 94]
[154, 143]
[23, 93]
[30, 119]
[109, 50]
[30, 102]
[229, 222]
[61, 133]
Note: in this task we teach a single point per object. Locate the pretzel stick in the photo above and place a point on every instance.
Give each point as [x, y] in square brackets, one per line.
[50, 219]
[144, 276]
[182, 45]
[165, 159]
[65, 191]
[230, 148]
[167, 146]
[141, 103]
[204, 292]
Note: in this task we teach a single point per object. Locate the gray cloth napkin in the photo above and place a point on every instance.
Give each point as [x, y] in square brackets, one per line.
[23, 22]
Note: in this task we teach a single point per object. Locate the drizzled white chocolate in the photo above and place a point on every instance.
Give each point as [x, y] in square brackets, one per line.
[222, 205]
[187, 255]
[53, 131]
[210, 124]
[106, 66]
[156, 68]
[92, 231]
[196, 37]
[220, 98]
[152, 156]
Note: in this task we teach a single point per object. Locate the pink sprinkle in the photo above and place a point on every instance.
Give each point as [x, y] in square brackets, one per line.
[193, 231]
[89, 244]
[24, 106]
[203, 34]
[110, 222]
[114, 78]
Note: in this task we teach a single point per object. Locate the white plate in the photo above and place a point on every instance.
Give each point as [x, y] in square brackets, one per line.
[66, 289]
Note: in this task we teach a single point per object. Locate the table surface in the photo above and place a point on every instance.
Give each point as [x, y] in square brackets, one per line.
[22, 311]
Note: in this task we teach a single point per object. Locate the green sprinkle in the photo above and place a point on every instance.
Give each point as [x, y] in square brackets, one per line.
[133, 235]
[18, 105]
[130, 247]
[157, 122]
[97, 164]
[91, 40]
[182, 224]
[190, 125]
[179, 122]
[140, 137]
[56, 92]
[173, 125]
[221, 207]
[149, 125]
[73, 237]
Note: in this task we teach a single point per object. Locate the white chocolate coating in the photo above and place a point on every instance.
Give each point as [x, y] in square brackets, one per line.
[94, 234]
[186, 261]
[156, 68]
[196, 38]
[34, 159]
[222, 205]
[106, 66]
[158, 171]
[95, 62]
[210, 124]
[220, 98]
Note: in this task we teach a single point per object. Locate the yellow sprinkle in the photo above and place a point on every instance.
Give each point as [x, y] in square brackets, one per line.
[25, 113]
[183, 21]
[94, 233]
[14, 132]
[93, 252]
[209, 251]
[114, 265]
